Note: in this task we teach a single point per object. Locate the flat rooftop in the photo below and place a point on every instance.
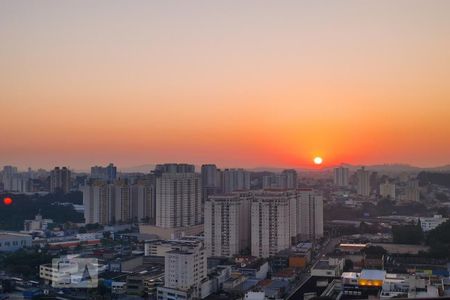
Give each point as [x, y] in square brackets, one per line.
[373, 274]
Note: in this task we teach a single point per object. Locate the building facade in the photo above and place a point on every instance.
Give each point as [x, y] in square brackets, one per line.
[341, 176]
[178, 200]
[227, 224]
[363, 187]
[273, 221]
[310, 212]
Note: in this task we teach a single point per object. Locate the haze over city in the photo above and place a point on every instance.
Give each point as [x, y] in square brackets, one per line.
[251, 84]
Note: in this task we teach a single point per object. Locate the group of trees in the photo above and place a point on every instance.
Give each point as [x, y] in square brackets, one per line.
[24, 263]
[25, 207]
[434, 178]
[439, 241]
[407, 234]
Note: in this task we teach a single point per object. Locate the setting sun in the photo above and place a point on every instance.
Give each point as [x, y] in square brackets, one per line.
[318, 160]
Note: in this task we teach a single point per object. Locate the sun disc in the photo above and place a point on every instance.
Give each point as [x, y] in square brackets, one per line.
[318, 160]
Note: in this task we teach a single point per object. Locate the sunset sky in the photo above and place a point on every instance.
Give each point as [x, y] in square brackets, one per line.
[236, 83]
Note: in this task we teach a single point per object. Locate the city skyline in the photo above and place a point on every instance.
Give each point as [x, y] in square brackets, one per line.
[237, 84]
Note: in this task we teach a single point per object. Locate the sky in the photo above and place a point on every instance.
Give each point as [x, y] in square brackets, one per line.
[236, 83]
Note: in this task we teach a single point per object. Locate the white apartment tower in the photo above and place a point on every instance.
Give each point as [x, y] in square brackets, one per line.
[412, 191]
[310, 213]
[235, 180]
[273, 222]
[97, 202]
[60, 180]
[178, 200]
[286, 180]
[363, 187]
[227, 224]
[122, 202]
[341, 176]
[387, 190]
[291, 178]
[143, 201]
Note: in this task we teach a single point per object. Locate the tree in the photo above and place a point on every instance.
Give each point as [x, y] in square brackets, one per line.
[443, 211]
[439, 241]
[407, 234]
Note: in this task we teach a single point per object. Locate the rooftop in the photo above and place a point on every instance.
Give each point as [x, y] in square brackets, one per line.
[373, 274]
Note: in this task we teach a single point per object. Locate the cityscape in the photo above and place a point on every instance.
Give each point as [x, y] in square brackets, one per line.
[186, 232]
[224, 150]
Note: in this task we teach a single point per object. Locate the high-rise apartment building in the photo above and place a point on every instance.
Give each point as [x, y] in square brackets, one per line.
[107, 203]
[235, 180]
[143, 204]
[211, 181]
[178, 199]
[60, 180]
[122, 202]
[227, 224]
[291, 178]
[98, 203]
[286, 180]
[387, 189]
[210, 176]
[412, 191]
[310, 214]
[273, 222]
[174, 168]
[341, 176]
[363, 187]
[108, 173]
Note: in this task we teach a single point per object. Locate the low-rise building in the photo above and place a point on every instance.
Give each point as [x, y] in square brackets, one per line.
[38, 224]
[331, 267]
[12, 241]
[428, 224]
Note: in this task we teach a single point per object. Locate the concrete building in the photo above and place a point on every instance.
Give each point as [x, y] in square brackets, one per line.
[412, 191]
[185, 269]
[143, 202]
[291, 178]
[174, 168]
[12, 241]
[341, 176]
[286, 180]
[37, 224]
[310, 212]
[387, 190]
[108, 173]
[273, 222]
[428, 224]
[60, 180]
[329, 267]
[178, 200]
[363, 187]
[211, 181]
[106, 203]
[98, 203]
[161, 247]
[235, 180]
[122, 202]
[227, 224]
[210, 176]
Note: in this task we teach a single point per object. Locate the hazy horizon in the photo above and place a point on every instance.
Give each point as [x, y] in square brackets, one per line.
[249, 84]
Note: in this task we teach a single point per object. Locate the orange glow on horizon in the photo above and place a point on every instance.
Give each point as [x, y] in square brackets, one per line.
[221, 82]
